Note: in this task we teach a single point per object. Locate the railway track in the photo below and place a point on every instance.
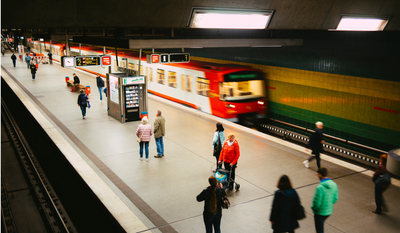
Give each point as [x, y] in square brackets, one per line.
[53, 214]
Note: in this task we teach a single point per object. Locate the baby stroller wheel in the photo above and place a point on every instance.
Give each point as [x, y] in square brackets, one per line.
[237, 187]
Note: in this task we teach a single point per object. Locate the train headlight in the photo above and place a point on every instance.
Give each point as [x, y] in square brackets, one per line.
[230, 106]
[260, 102]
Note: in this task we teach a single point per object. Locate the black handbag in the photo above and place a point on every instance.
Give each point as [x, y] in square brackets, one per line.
[217, 147]
[225, 202]
[299, 210]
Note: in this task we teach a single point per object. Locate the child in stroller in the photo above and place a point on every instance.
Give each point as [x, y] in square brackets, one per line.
[222, 176]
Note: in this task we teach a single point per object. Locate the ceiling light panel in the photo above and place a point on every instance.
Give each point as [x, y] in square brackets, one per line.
[362, 23]
[229, 19]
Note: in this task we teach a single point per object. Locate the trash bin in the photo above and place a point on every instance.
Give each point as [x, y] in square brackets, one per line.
[144, 114]
[87, 90]
[66, 79]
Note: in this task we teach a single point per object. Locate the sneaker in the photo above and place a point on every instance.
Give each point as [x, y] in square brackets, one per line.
[83, 117]
[157, 156]
[141, 159]
[147, 160]
[100, 101]
[306, 164]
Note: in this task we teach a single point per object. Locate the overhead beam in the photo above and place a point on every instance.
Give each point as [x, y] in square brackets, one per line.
[211, 43]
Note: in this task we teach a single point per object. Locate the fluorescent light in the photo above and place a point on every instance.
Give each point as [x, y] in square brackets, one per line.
[229, 18]
[362, 23]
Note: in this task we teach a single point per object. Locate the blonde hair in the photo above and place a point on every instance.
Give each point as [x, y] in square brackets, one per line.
[231, 135]
[145, 120]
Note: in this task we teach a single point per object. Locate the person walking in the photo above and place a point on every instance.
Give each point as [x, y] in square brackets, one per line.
[29, 49]
[2, 49]
[50, 55]
[159, 133]
[144, 133]
[230, 155]
[316, 144]
[100, 85]
[14, 59]
[83, 102]
[218, 141]
[326, 194]
[381, 178]
[284, 206]
[212, 197]
[33, 70]
[76, 81]
[28, 60]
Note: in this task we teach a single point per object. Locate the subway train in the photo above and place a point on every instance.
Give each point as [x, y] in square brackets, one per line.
[233, 92]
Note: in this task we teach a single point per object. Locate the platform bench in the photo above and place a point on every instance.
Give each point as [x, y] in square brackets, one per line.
[70, 83]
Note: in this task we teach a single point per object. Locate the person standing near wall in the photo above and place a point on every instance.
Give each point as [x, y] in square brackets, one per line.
[82, 102]
[27, 60]
[100, 85]
[159, 133]
[381, 178]
[218, 141]
[14, 59]
[316, 144]
[33, 70]
[326, 194]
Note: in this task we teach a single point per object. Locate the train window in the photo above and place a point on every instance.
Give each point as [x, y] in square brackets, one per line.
[141, 70]
[115, 65]
[172, 79]
[183, 82]
[160, 76]
[130, 66]
[203, 86]
[151, 74]
[189, 83]
[242, 90]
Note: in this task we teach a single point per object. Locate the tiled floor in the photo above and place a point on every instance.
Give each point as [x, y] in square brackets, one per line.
[163, 191]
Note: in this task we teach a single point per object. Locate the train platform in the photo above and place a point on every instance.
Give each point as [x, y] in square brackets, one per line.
[160, 195]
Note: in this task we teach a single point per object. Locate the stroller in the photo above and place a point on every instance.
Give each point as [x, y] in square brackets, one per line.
[222, 177]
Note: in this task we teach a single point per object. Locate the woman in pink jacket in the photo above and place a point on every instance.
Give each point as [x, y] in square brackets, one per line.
[144, 132]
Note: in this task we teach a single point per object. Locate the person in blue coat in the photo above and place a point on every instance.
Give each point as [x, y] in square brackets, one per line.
[100, 85]
[83, 102]
[284, 207]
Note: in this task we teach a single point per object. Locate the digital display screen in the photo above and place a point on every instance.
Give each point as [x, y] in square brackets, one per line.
[87, 61]
[179, 57]
[243, 76]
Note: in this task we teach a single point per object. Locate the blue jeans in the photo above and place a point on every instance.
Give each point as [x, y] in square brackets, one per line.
[100, 91]
[160, 146]
[319, 221]
[33, 76]
[28, 63]
[146, 144]
[212, 220]
[83, 109]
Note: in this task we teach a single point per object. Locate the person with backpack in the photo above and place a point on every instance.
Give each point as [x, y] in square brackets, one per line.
[83, 102]
[381, 178]
[284, 207]
[14, 59]
[100, 85]
[33, 70]
[218, 141]
[212, 197]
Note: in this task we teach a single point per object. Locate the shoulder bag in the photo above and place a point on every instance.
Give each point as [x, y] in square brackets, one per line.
[217, 147]
[299, 209]
[225, 204]
[140, 139]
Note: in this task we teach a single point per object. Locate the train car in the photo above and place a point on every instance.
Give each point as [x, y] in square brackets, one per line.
[233, 92]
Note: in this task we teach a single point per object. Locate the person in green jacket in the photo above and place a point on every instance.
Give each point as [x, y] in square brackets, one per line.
[326, 194]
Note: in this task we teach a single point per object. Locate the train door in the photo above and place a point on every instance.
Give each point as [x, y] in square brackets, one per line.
[202, 93]
[186, 87]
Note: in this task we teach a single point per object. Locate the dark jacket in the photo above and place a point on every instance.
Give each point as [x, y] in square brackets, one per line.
[76, 80]
[205, 196]
[13, 57]
[315, 141]
[33, 69]
[82, 99]
[283, 211]
[100, 82]
[50, 55]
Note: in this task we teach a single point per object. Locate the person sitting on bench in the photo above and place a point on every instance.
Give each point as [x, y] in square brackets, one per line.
[76, 81]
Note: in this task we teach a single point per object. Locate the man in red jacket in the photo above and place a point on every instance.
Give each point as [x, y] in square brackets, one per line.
[229, 155]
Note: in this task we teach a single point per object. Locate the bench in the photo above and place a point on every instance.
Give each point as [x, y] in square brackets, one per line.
[79, 87]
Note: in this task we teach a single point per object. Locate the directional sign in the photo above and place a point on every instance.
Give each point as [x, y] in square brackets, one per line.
[87, 61]
[106, 60]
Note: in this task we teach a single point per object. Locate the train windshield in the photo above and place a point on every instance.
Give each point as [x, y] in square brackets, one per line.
[242, 86]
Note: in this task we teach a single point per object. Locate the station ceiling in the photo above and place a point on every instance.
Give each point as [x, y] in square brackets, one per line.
[167, 14]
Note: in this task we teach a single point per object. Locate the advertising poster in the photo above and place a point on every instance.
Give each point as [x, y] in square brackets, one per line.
[114, 94]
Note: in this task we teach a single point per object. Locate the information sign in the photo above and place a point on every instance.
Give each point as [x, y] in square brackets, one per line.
[106, 60]
[87, 61]
[114, 93]
[179, 57]
[133, 80]
[164, 58]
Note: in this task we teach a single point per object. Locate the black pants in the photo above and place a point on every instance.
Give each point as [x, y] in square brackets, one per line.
[232, 174]
[319, 221]
[14, 62]
[379, 198]
[51, 61]
[292, 231]
[316, 157]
